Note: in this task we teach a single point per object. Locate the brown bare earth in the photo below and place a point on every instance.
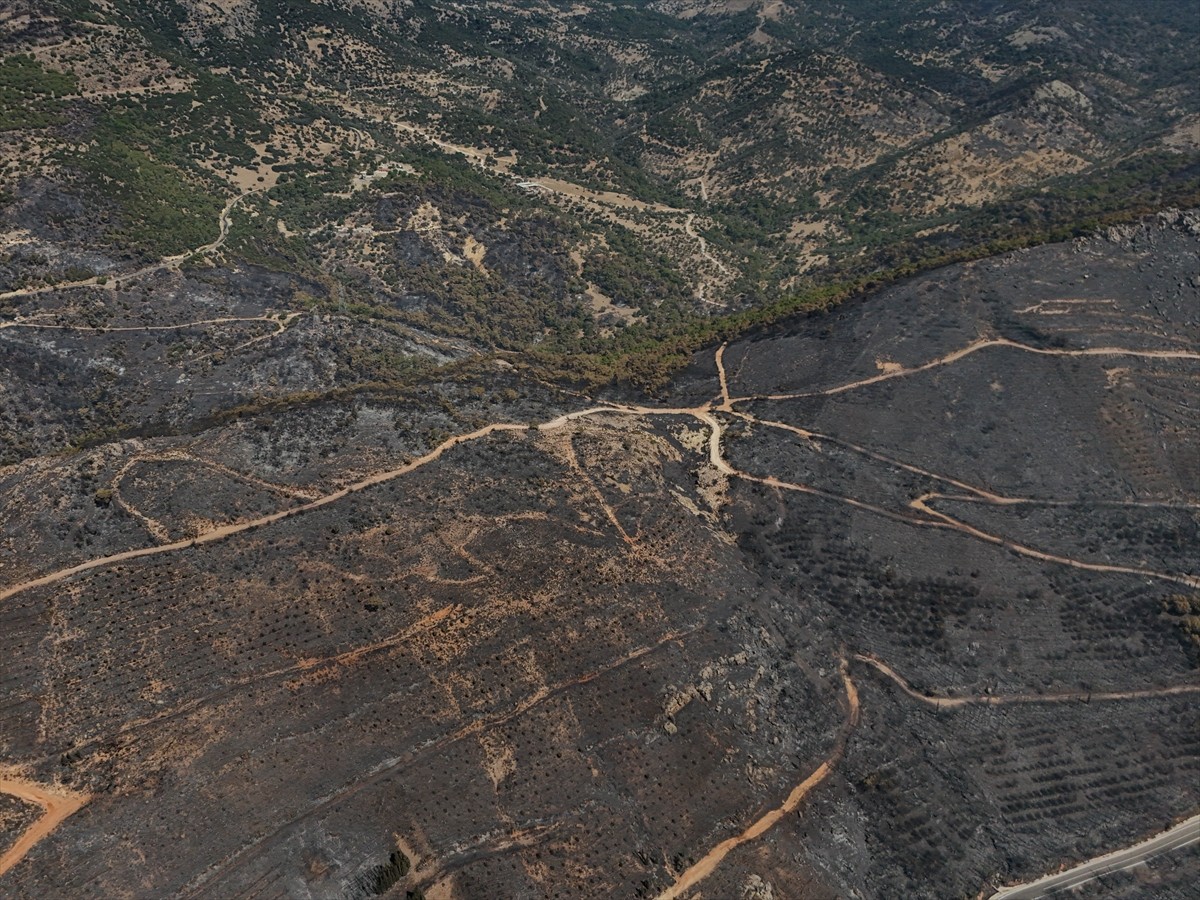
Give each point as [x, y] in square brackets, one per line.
[57, 806]
[512, 653]
[709, 862]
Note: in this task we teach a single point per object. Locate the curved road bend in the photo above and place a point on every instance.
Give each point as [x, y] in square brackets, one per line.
[57, 803]
[1182, 835]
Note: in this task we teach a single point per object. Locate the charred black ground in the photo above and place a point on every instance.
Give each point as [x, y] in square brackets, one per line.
[572, 660]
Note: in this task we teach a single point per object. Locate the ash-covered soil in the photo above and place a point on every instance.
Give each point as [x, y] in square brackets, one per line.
[1172, 876]
[912, 623]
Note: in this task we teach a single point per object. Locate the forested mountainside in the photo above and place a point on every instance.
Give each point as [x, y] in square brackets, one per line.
[592, 181]
[688, 450]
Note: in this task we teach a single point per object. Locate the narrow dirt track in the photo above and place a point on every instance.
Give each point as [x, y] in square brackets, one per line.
[689, 229]
[117, 329]
[57, 803]
[932, 517]
[704, 413]
[963, 353]
[1004, 699]
[435, 880]
[225, 531]
[156, 528]
[224, 222]
[696, 873]
[590, 485]
[302, 667]
[919, 504]
[978, 494]
[384, 769]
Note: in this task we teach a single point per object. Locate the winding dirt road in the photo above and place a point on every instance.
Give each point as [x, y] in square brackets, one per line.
[964, 352]
[696, 873]
[977, 494]
[919, 504]
[933, 517]
[385, 768]
[1003, 699]
[704, 413]
[224, 223]
[930, 517]
[57, 803]
[280, 322]
[225, 531]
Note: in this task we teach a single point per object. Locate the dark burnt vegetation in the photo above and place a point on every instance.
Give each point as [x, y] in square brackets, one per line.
[1183, 611]
[571, 661]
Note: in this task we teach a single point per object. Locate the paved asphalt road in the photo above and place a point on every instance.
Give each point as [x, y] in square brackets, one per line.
[1181, 835]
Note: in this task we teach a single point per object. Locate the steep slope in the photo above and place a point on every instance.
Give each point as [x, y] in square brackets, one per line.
[770, 635]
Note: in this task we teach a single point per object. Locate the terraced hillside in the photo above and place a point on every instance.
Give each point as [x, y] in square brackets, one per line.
[884, 602]
[641, 448]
